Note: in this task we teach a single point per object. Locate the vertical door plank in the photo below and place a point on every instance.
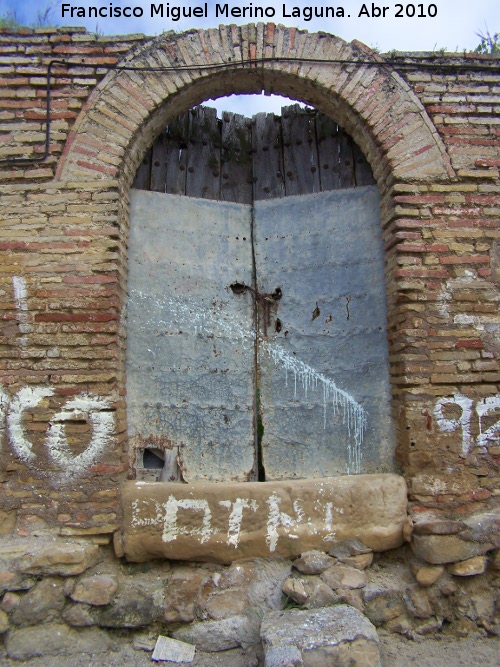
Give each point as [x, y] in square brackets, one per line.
[363, 174]
[300, 154]
[159, 164]
[267, 157]
[203, 170]
[176, 156]
[236, 159]
[327, 136]
[143, 175]
[346, 160]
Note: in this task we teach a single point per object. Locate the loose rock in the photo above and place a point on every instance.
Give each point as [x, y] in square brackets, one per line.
[211, 636]
[469, 568]
[337, 635]
[313, 562]
[428, 574]
[348, 548]
[343, 576]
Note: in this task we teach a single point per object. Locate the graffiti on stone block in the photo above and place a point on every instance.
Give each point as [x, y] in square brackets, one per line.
[196, 518]
[94, 410]
[468, 410]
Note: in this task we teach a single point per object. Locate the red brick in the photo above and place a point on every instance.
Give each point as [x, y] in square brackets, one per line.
[465, 259]
[472, 343]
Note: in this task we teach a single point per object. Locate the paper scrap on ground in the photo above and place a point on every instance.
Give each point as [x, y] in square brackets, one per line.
[173, 650]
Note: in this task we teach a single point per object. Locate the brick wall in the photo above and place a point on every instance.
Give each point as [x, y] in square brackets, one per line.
[432, 138]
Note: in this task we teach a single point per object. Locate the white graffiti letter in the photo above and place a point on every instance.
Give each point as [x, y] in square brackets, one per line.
[24, 399]
[462, 422]
[277, 518]
[482, 408]
[4, 406]
[233, 533]
[93, 409]
[171, 529]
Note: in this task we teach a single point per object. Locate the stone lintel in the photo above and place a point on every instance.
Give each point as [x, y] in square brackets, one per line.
[226, 522]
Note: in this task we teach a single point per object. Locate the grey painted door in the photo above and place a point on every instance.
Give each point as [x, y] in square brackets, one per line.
[190, 341]
[298, 321]
[324, 383]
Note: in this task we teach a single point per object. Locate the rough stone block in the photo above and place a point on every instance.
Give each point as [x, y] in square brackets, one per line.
[96, 591]
[58, 557]
[222, 635]
[224, 522]
[439, 549]
[55, 639]
[335, 636]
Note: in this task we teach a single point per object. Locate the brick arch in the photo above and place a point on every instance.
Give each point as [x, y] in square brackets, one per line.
[371, 102]
[128, 109]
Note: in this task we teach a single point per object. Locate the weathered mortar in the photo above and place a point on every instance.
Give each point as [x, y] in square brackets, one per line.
[432, 137]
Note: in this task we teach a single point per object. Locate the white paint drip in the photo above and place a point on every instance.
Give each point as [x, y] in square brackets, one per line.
[92, 409]
[353, 414]
[171, 529]
[26, 398]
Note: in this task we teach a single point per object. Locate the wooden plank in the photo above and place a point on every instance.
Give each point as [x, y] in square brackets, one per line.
[327, 138]
[346, 160]
[177, 155]
[363, 174]
[158, 164]
[268, 179]
[300, 155]
[240, 160]
[203, 164]
[143, 175]
[236, 159]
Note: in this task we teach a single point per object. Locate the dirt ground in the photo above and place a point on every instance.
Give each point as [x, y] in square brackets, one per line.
[395, 651]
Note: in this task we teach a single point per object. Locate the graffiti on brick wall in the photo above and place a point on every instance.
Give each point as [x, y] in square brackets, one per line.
[96, 411]
[461, 412]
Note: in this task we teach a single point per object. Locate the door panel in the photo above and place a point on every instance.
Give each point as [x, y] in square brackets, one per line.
[190, 339]
[323, 360]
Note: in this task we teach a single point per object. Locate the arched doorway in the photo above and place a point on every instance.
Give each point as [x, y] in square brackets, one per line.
[172, 73]
[256, 310]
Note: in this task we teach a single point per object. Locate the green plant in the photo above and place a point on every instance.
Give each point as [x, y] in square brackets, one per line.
[489, 44]
[9, 21]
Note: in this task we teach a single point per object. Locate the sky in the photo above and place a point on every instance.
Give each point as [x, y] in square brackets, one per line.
[442, 24]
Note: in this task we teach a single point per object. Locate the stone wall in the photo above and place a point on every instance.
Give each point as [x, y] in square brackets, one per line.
[429, 126]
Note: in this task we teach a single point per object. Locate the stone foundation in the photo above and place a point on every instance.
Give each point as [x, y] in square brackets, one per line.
[82, 594]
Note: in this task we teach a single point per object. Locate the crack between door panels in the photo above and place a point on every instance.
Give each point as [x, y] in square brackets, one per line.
[258, 426]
